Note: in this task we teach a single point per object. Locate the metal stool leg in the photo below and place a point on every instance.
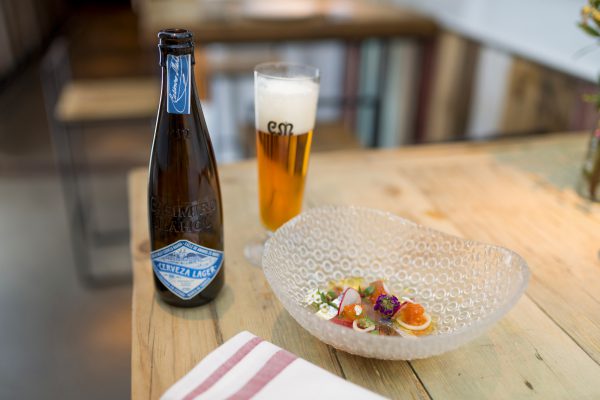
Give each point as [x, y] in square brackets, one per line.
[77, 217]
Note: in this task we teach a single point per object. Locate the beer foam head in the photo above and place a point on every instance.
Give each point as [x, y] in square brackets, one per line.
[280, 102]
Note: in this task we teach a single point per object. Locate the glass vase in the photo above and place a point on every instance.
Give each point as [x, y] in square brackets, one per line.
[589, 181]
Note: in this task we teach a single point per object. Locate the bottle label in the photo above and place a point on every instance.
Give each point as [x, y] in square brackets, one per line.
[186, 268]
[179, 84]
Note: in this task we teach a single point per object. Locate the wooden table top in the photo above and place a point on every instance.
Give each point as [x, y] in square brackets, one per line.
[234, 21]
[514, 193]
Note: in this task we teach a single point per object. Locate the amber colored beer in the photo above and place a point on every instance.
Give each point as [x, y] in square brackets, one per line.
[282, 167]
[285, 108]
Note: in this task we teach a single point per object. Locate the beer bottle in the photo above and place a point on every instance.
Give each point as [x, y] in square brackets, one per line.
[184, 197]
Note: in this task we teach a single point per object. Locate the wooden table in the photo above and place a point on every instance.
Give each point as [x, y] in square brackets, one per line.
[516, 194]
[230, 21]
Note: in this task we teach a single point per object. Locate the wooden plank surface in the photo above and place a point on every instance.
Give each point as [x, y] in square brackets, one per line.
[226, 21]
[515, 194]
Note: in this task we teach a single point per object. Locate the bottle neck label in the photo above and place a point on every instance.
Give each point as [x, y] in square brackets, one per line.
[179, 83]
[186, 268]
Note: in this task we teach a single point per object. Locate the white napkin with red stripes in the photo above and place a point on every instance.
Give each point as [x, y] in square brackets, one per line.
[247, 367]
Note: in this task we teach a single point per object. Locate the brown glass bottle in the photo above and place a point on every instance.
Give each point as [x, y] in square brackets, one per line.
[184, 197]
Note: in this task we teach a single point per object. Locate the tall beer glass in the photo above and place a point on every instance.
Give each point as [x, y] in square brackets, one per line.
[285, 109]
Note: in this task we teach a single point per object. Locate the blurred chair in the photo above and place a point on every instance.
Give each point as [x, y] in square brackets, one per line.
[73, 105]
[70, 106]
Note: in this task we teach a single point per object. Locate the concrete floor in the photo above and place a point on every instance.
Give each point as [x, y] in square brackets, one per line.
[58, 339]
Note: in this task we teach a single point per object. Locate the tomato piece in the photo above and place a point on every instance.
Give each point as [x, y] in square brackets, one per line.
[412, 314]
[343, 322]
[378, 291]
[351, 312]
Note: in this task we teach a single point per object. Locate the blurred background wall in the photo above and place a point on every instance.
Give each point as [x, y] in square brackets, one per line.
[498, 67]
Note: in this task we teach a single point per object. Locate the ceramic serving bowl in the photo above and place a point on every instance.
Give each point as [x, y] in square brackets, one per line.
[466, 286]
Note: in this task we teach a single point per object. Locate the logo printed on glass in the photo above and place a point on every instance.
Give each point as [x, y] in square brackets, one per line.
[186, 268]
[178, 83]
[283, 128]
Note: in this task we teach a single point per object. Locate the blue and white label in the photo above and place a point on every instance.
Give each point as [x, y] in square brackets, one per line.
[186, 268]
[179, 84]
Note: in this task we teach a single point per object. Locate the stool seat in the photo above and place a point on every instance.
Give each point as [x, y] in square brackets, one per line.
[97, 100]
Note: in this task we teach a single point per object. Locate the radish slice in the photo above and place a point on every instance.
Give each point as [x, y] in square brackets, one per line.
[385, 287]
[416, 327]
[350, 296]
[363, 330]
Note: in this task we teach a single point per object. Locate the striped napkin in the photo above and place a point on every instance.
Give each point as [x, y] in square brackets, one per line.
[247, 367]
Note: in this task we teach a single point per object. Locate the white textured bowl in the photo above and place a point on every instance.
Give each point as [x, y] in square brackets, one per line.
[466, 286]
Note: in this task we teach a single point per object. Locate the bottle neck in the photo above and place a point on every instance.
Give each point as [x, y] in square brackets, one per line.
[177, 79]
[175, 50]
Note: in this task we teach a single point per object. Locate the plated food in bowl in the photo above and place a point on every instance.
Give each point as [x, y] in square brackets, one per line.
[370, 308]
[462, 286]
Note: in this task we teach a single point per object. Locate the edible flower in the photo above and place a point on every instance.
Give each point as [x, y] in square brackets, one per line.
[387, 305]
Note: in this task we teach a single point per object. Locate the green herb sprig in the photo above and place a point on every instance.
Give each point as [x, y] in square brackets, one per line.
[366, 292]
[327, 298]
